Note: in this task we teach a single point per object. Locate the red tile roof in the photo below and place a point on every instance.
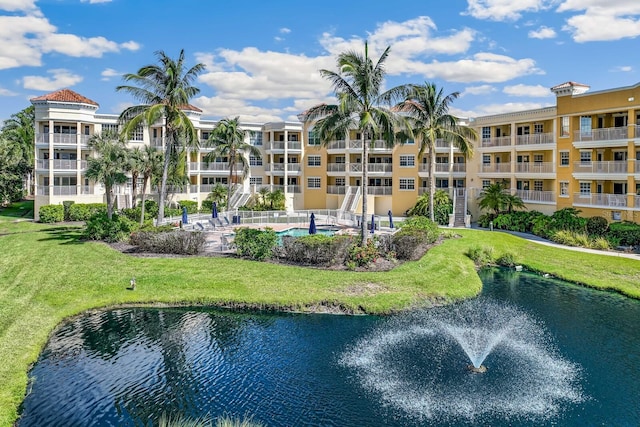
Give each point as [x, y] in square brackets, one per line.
[65, 95]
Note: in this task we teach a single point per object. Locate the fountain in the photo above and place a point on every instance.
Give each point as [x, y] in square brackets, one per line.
[527, 379]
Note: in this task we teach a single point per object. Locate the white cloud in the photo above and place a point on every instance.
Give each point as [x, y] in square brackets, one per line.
[602, 20]
[491, 109]
[504, 10]
[537, 91]
[542, 33]
[95, 1]
[19, 6]
[284, 30]
[61, 78]
[478, 90]
[107, 73]
[6, 92]
[622, 68]
[219, 107]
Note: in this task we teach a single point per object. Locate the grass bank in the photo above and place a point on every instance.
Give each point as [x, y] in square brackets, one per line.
[48, 274]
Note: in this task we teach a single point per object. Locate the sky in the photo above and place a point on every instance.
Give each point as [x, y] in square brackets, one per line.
[263, 57]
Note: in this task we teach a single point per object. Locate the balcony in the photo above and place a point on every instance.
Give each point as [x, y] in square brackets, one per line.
[280, 167]
[336, 167]
[379, 145]
[62, 138]
[157, 142]
[371, 168]
[616, 167]
[336, 189]
[535, 167]
[604, 134]
[600, 200]
[379, 190]
[337, 145]
[280, 146]
[533, 196]
[59, 164]
[498, 141]
[535, 139]
[495, 168]
[445, 167]
[63, 190]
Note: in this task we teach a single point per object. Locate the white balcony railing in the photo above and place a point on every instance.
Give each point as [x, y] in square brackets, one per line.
[603, 134]
[336, 145]
[444, 167]
[535, 167]
[379, 190]
[536, 196]
[535, 139]
[336, 167]
[600, 199]
[495, 167]
[336, 189]
[617, 167]
[498, 141]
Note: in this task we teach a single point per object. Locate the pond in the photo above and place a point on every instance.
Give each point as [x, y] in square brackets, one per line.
[557, 354]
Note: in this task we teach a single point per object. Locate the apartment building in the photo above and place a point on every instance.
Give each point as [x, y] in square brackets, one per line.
[584, 152]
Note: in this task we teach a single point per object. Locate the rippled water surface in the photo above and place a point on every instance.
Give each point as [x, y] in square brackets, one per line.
[126, 367]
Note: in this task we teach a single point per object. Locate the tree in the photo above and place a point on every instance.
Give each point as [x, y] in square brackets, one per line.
[164, 90]
[496, 198]
[217, 194]
[109, 165]
[361, 106]
[264, 193]
[227, 140]
[19, 131]
[442, 206]
[151, 165]
[428, 109]
[12, 170]
[276, 199]
[134, 167]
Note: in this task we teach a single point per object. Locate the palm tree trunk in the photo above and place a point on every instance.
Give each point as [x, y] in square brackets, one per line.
[365, 178]
[144, 190]
[134, 188]
[109, 201]
[231, 167]
[165, 175]
[432, 181]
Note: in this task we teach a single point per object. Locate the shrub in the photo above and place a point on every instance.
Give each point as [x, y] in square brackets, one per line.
[51, 213]
[481, 256]
[316, 249]
[626, 232]
[414, 237]
[118, 229]
[66, 204]
[192, 206]
[571, 238]
[255, 244]
[506, 260]
[363, 255]
[134, 214]
[84, 211]
[597, 226]
[169, 242]
[568, 219]
[542, 226]
[485, 219]
[150, 207]
[600, 243]
[171, 212]
[421, 224]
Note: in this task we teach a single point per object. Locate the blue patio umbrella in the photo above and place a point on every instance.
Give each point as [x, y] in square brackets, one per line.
[214, 210]
[373, 223]
[312, 225]
[390, 219]
[184, 216]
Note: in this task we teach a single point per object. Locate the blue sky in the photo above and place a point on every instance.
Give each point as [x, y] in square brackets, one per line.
[263, 57]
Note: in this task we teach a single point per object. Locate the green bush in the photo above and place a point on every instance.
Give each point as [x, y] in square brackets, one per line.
[172, 212]
[192, 206]
[600, 243]
[362, 256]
[571, 238]
[597, 226]
[316, 249]
[178, 242]
[118, 229]
[134, 214]
[66, 205]
[150, 207]
[51, 213]
[255, 244]
[626, 232]
[421, 224]
[84, 211]
[481, 256]
[506, 260]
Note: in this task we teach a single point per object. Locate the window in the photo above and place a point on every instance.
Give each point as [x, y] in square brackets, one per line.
[65, 129]
[339, 159]
[442, 183]
[340, 182]
[137, 134]
[407, 184]
[486, 183]
[537, 185]
[313, 138]
[204, 135]
[585, 157]
[585, 125]
[410, 142]
[313, 160]
[486, 159]
[564, 188]
[255, 138]
[292, 137]
[538, 128]
[564, 158]
[407, 161]
[313, 182]
[255, 160]
[64, 180]
[255, 180]
[523, 130]
[585, 188]
[486, 132]
[537, 158]
[564, 126]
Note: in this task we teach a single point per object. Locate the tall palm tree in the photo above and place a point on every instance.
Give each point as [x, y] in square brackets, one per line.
[135, 157]
[164, 90]
[227, 140]
[109, 165]
[151, 162]
[361, 106]
[19, 130]
[428, 109]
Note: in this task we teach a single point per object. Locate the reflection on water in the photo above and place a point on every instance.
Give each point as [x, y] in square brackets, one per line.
[128, 366]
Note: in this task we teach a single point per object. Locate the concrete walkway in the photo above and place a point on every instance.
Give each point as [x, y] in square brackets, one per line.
[540, 240]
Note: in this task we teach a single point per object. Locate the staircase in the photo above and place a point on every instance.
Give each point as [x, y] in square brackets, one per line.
[349, 203]
[238, 198]
[459, 207]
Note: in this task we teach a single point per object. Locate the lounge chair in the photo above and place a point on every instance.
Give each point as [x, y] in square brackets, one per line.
[226, 220]
[212, 223]
[199, 226]
[219, 222]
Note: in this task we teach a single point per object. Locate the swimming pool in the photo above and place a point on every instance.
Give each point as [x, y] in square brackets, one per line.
[299, 232]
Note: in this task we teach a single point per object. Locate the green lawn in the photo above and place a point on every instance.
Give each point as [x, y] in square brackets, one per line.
[47, 274]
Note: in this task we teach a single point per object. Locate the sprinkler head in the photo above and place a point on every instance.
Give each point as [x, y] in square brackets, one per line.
[479, 370]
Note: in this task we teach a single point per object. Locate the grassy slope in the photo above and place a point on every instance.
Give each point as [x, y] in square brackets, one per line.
[46, 274]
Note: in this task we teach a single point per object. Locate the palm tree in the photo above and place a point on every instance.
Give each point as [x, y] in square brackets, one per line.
[512, 201]
[361, 106]
[151, 165]
[164, 90]
[227, 140]
[19, 130]
[217, 194]
[276, 199]
[492, 197]
[428, 109]
[109, 165]
[264, 193]
[135, 157]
